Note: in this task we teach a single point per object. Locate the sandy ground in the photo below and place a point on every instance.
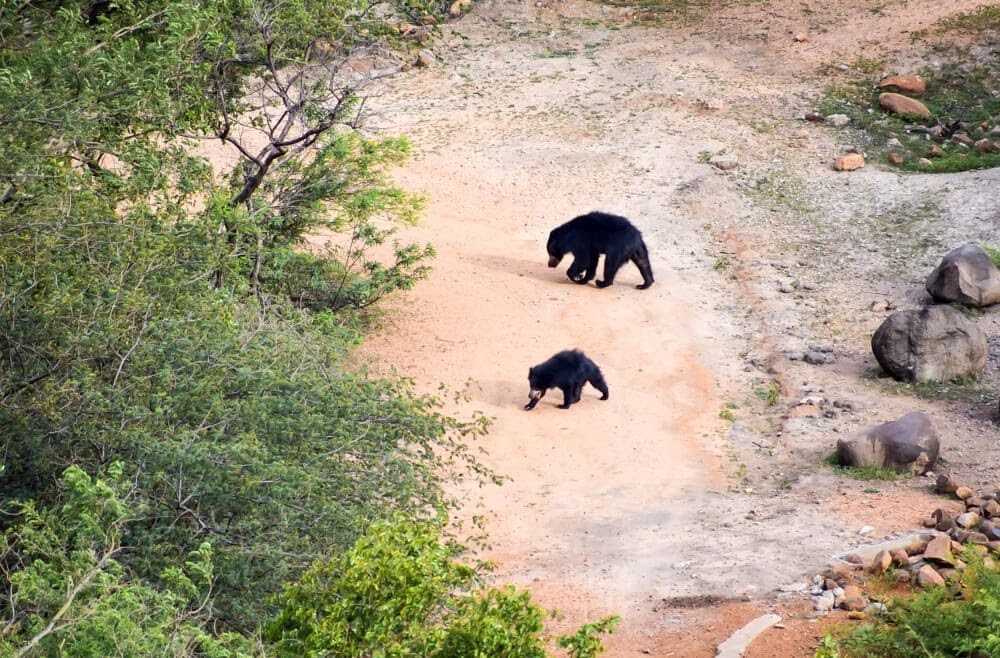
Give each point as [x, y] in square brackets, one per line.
[650, 505]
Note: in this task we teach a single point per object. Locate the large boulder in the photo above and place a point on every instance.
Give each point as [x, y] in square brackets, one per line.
[910, 444]
[966, 275]
[930, 344]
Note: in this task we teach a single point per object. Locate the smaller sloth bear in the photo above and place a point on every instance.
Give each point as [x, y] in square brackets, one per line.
[588, 236]
[568, 370]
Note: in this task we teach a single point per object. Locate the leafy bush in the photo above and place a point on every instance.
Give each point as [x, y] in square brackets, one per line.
[402, 591]
[962, 619]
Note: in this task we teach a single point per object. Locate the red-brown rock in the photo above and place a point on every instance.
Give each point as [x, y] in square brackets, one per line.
[904, 105]
[912, 85]
[849, 162]
[939, 551]
[928, 577]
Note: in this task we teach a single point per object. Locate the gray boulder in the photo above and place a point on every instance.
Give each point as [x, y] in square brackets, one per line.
[930, 344]
[910, 444]
[965, 275]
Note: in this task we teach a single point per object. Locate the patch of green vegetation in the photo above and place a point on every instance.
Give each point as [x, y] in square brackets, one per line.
[963, 102]
[865, 472]
[562, 52]
[721, 263]
[660, 12]
[956, 389]
[771, 394]
[867, 65]
[992, 252]
[726, 413]
[958, 619]
[983, 19]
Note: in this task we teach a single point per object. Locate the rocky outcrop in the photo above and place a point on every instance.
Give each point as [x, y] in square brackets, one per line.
[931, 344]
[965, 275]
[910, 444]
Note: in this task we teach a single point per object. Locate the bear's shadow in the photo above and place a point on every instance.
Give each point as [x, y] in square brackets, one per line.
[539, 270]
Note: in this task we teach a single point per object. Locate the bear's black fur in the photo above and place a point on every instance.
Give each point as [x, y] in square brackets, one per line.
[568, 370]
[588, 236]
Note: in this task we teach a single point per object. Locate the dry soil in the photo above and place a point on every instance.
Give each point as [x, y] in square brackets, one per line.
[688, 503]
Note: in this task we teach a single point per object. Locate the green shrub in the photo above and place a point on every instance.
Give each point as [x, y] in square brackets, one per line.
[960, 619]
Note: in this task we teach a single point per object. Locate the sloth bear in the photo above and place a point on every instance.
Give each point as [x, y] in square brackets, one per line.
[568, 370]
[588, 236]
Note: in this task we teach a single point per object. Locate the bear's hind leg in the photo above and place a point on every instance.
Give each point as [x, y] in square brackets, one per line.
[597, 381]
[612, 262]
[641, 260]
[567, 397]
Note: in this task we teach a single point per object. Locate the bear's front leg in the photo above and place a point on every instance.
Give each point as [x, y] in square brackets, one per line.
[567, 398]
[576, 272]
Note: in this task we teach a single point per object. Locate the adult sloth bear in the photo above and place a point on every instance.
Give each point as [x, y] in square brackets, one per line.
[588, 236]
[568, 370]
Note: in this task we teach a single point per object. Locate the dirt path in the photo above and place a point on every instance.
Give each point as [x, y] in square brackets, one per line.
[538, 113]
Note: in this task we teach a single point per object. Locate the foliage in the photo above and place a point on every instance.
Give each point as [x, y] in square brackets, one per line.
[68, 594]
[771, 395]
[402, 591]
[585, 643]
[958, 620]
[161, 314]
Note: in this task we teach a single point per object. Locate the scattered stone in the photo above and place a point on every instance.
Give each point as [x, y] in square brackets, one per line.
[865, 529]
[911, 85]
[963, 493]
[854, 603]
[817, 358]
[961, 139]
[823, 603]
[899, 557]
[917, 545]
[881, 563]
[968, 520]
[935, 343]
[849, 162]
[855, 614]
[838, 120]
[966, 275]
[939, 551]
[458, 7]
[853, 591]
[945, 483]
[814, 117]
[928, 577]
[903, 105]
[895, 158]
[908, 444]
[991, 508]
[425, 59]
[724, 161]
[804, 411]
[935, 151]
[986, 146]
